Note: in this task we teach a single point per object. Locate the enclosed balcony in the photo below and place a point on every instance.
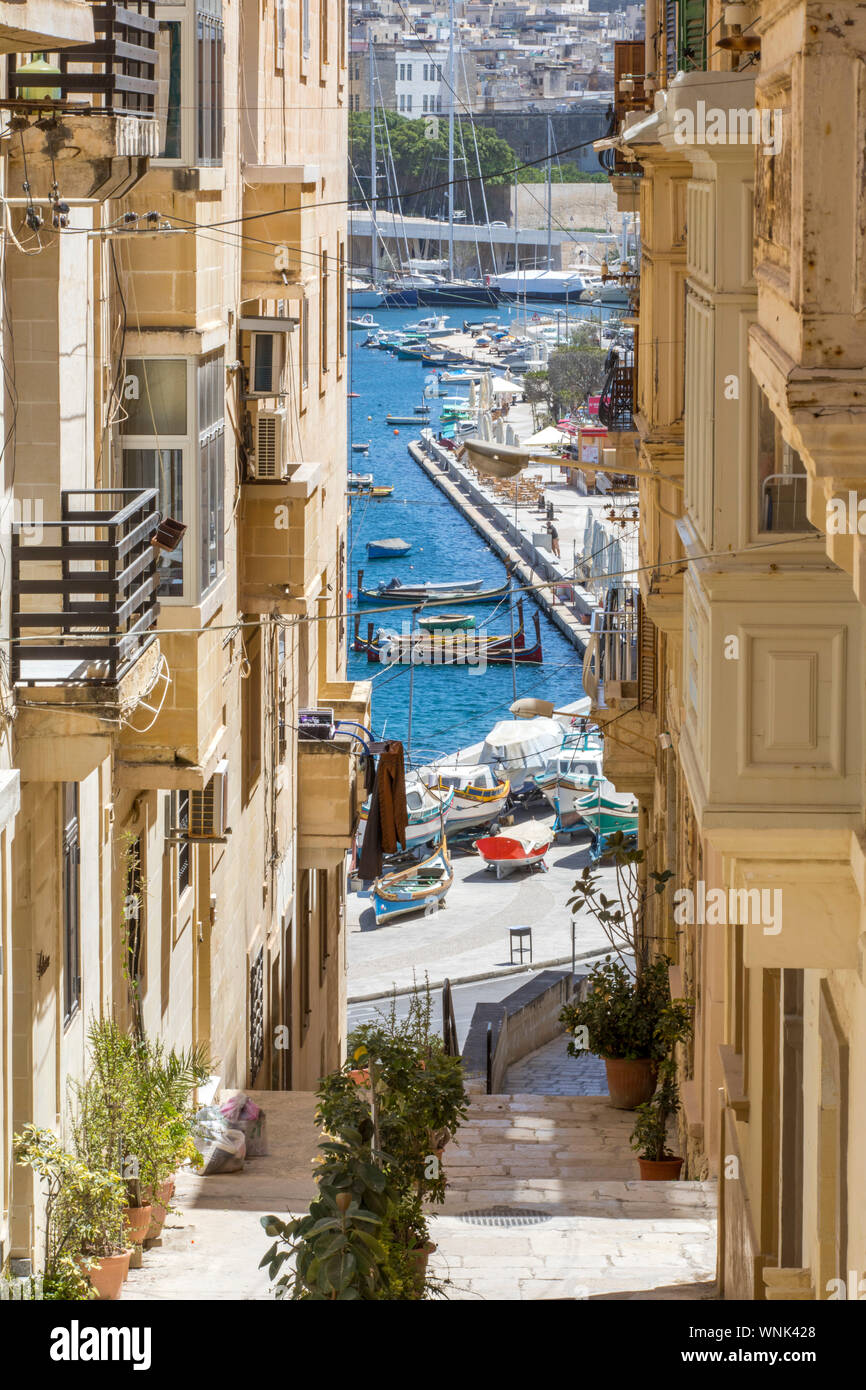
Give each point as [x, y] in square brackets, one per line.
[88, 112]
[616, 407]
[610, 662]
[619, 676]
[84, 610]
[330, 787]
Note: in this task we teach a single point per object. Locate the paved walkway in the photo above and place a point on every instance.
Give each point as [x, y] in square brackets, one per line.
[470, 936]
[550, 1071]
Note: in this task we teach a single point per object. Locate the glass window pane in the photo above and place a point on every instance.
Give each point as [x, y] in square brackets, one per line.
[168, 75]
[263, 366]
[154, 396]
[163, 470]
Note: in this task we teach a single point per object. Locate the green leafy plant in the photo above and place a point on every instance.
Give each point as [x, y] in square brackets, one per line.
[649, 1136]
[83, 1212]
[627, 1017]
[621, 917]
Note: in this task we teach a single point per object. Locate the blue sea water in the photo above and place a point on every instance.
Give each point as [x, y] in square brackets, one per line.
[451, 706]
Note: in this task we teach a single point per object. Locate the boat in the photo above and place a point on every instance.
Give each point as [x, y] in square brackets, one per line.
[409, 352]
[365, 321]
[436, 644]
[355, 481]
[479, 794]
[541, 284]
[604, 810]
[572, 772]
[457, 292]
[361, 448]
[433, 591]
[391, 548]
[518, 749]
[451, 622]
[522, 845]
[364, 295]
[380, 490]
[421, 887]
[432, 327]
[426, 809]
[421, 409]
[402, 420]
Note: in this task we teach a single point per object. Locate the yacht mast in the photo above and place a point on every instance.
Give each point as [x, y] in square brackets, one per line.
[549, 189]
[374, 232]
[451, 99]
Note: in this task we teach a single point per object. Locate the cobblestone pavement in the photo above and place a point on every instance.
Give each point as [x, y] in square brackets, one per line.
[549, 1071]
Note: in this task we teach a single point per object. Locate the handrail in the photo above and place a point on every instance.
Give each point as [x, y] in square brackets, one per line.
[449, 1022]
[488, 1044]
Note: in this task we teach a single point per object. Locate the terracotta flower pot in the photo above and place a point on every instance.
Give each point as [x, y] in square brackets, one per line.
[361, 1076]
[137, 1222]
[660, 1169]
[630, 1082]
[108, 1275]
[159, 1208]
[420, 1256]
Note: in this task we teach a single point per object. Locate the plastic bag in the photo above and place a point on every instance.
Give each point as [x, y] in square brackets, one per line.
[243, 1114]
[222, 1147]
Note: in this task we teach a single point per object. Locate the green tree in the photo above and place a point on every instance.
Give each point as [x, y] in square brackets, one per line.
[574, 373]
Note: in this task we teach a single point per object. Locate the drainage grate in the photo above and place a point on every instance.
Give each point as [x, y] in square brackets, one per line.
[505, 1216]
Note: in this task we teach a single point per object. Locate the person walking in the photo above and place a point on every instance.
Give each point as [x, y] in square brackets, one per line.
[554, 538]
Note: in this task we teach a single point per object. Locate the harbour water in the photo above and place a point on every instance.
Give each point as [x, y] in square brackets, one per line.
[451, 706]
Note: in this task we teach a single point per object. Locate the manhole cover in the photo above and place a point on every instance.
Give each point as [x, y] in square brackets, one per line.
[505, 1216]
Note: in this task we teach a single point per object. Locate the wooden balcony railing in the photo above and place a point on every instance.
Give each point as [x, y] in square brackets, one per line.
[85, 608]
[118, 71]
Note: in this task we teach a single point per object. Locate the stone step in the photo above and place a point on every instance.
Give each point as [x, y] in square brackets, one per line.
[575, 1195]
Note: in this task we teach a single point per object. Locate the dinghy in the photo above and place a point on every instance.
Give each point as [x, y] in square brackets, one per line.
[402, 420]
[361, 448]
[391, 548]
[420, 888]
[431, 591]
[522, 845]
[449, 622]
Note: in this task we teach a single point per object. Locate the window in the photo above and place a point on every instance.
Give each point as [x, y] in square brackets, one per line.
[324, 32]
[409, 102]
[439, 103]
[168, 98]
[425, 71]
[402, 72]
[211, 465]
[251, 709]
[781, 477]
[71, 901]
[324, 952]
[282, 695]
[280, 35]
[184, 850]
[308, 901]
[264, 364]
[173, 436]
[402, 103]
[341, 298]
[134, 928]
[408, 72]
[209, 81]
[424, 106]
[305, 27]
[323, 312]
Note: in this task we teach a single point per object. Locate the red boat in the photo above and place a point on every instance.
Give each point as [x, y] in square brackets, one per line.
[525, 844]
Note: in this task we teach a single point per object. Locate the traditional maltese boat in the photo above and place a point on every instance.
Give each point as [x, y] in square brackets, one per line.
[430, 591]
[522, 845]
[479, 795]
[420, 888]
[573, 771]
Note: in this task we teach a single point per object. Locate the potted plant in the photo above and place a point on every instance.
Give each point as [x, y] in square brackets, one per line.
[632, 1023]
[85, 1252]
[650, 1134]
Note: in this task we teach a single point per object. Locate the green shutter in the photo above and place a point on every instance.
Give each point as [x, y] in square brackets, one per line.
[692, 37]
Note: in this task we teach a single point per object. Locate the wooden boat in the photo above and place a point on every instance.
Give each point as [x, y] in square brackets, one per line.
[522, 845]
[427, 811]
[572, 771]
[450, 622]
[402, 420]
[480, 795]
[391, 548]
[361, 448]
[409, 352]
[421, 409]
[445, 647]
[604, 810]
[431, 591]
[420, 888]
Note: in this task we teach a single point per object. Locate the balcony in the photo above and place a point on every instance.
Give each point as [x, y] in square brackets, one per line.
[34, 25]
[84, 610]
[616, 406]
[619, 676]
[92, 115]
[330, 790]
[610, 662]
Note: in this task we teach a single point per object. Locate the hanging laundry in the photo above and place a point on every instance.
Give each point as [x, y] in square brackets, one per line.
[388, 817]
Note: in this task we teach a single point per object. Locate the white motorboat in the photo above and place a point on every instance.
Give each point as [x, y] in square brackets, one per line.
[365, 321]
[572, 771]
[518, 749]
[364, 295]
[541, 284]
[432, 327]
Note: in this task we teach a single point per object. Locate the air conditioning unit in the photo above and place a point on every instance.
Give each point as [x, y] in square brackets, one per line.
[208, 809]
[268, 455]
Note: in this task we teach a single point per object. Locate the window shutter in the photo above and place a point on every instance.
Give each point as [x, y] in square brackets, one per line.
[670, 47]
[646, 658]
[692, 48]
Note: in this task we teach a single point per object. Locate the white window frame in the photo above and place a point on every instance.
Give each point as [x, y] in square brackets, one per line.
[185, 14]
[188, 444]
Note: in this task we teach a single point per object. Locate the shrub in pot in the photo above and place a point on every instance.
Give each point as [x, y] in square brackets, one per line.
[650, 1135]
[630, 1021]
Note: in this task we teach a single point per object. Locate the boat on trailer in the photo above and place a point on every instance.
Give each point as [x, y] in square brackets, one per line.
[573, 771]
[522, 846]
[420, 888]
[604, 810]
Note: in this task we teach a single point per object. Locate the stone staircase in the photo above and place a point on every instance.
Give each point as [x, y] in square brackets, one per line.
[544, 1201]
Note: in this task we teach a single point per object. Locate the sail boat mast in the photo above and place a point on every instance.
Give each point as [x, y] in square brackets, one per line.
[451, 139]
[549, 190]
[374, 233]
